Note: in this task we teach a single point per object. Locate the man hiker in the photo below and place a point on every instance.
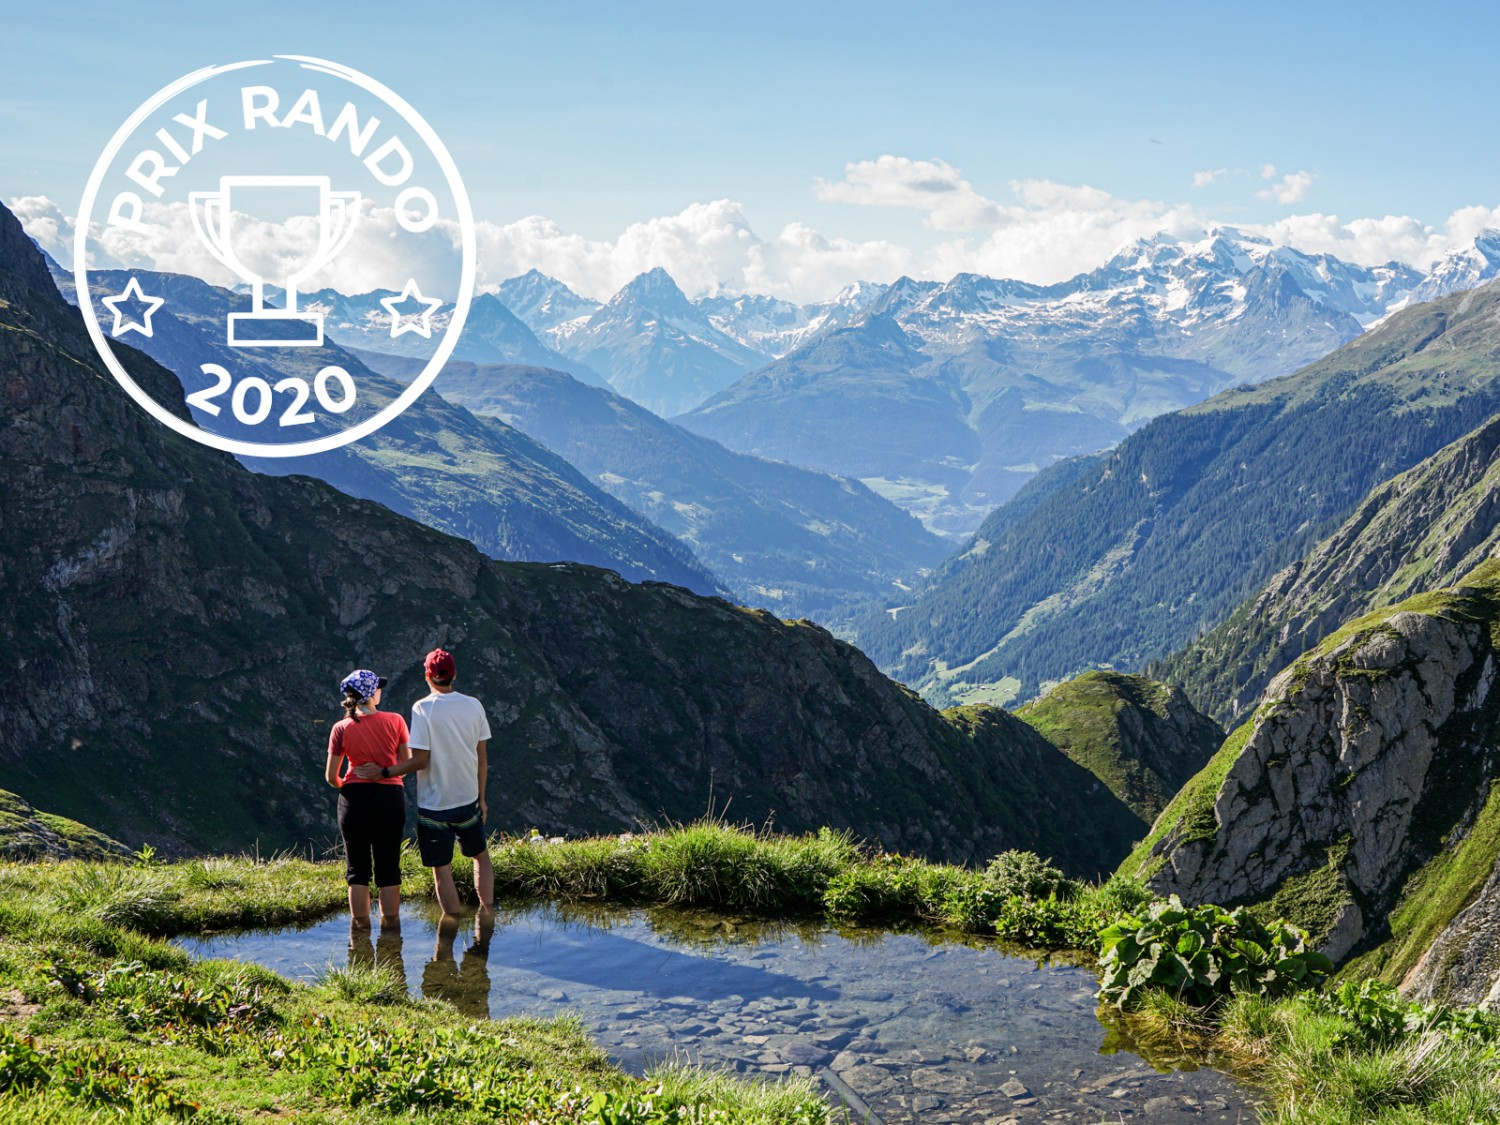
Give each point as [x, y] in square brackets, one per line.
[449, 737]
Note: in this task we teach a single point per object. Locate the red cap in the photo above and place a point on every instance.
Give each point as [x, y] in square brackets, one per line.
[439, 664]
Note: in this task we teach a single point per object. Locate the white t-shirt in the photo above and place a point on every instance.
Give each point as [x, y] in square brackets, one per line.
[449, 725]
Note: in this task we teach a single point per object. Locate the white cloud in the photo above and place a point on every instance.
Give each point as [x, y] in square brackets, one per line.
[707, 247]
[934, 187]
[1047, 231]
[1292, 187]
[1268, 171]
[1373, 242]
[1203, 179]
[45, 222]
[1059, 230]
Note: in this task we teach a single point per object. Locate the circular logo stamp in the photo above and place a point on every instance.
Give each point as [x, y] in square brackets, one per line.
[292, 239]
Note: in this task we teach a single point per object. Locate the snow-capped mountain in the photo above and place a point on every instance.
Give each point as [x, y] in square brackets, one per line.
[774, 327]
[657, 347]
[947, 397]
[1462, 268]
[491, 334]
[543, 302]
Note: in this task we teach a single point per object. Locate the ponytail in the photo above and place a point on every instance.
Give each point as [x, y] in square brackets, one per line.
[351, 704]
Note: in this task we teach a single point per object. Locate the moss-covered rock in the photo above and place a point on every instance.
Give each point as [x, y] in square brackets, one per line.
[28, 834]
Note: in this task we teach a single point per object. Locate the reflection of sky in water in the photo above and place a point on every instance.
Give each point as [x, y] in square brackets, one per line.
[913, 1031]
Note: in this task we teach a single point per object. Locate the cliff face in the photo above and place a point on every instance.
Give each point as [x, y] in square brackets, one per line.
[1143, 739]
[1366, 768]
[1420, 531]
[174, 627]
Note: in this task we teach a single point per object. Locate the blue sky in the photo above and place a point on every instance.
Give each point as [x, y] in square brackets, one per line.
[602, 115]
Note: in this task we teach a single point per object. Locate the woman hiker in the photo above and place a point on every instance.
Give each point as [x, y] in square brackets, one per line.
[372, 811]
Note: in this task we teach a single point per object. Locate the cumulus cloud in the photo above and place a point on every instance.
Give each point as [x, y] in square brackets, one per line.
[1044, 231]
[1058, 230]
[1203, 179]
[934, 187]
[1373, 242]
[707, 248]
[1292, 188]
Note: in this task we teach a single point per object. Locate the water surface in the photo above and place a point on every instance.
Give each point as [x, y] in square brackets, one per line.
[912, 1031]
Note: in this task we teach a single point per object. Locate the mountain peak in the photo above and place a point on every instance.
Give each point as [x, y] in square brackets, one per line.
[654, 290]
[22, 261]
[542, 302]
[1462, 267]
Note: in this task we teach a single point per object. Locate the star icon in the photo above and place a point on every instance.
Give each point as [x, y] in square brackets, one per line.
[418, 322]
[126, 321]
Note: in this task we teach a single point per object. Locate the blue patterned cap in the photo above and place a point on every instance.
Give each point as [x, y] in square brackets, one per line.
[362, 682]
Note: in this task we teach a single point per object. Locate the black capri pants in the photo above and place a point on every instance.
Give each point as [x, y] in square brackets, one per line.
[372, 820]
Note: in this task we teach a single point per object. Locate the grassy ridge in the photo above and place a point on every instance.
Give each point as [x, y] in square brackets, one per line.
[1142, 738]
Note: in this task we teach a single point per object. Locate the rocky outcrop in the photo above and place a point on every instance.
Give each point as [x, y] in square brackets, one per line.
[1365, 759]
[173, 627]
[1143, 739]
[1420, 531]
[26, 834]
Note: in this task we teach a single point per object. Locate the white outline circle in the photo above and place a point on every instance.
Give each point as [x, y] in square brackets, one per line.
[331, 441]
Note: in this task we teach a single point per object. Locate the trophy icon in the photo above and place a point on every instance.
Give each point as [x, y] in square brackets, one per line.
[336, 213]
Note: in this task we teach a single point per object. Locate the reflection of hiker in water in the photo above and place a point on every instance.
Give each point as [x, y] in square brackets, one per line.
[383, 954]
[466, 986]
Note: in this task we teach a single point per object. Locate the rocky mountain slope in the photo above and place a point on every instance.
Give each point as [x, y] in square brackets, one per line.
[1421, 531]
[1001, 378]
[1128, 557]
[173, 628]
[797, 542]
[1141, 738]
[1360, 800]
[438, 463]
[28, 834]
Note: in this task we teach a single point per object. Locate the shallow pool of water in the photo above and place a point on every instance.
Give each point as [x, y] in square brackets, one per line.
[912, 1031]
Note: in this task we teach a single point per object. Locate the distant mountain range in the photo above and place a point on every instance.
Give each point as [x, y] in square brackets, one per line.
[799, 542]
[948, 397]
[474, 477]
[944, 397]
[491, 332]
[1124, 558]
[793, 540]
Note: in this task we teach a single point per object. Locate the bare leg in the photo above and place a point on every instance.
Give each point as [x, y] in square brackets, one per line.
[359, 906]
[447, 893]
[484, 879]
[390, 906]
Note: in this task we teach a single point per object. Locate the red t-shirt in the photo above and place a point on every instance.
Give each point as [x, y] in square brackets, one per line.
[375, 738]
